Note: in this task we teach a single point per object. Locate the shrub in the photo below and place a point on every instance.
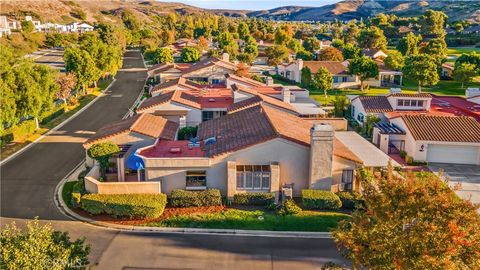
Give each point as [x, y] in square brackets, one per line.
[254, 198]
[23, 130]
[77, 192]
[351, 200]
[186, 198]
[187, 133]
[320, 199]
[5, 138]
[289, 208]
[51, 116]
[101, 152]
[125, 205]
[403, 154]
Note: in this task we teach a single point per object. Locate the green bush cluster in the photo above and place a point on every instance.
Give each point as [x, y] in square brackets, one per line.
[51, 115]
[21, 131]
[254, 198]
[77, 191]
[187, 133]
[320, 199]
[186, 198]
[351, 200]
[125, 205]
[289, 207]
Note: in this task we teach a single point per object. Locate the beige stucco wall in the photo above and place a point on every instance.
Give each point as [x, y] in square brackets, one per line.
[338, 124]
[92, 185]
[293, 160]
[194, 116]
[340, 164]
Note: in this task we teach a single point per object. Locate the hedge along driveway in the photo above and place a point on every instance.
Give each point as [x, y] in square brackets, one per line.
[255, 220]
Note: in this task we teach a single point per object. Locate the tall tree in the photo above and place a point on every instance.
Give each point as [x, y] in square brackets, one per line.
[364, 67]
[409, 44]
[395, 60]
[436, 47]
[27, 27]
[350, 51]
[411, 222]
[190, 55]
[83, 65]
[276, 54]
[311, 44]
[323, 80]
[464, 73]
[372, 38]
[163, 55]
[66, 83]
[202, 44]
[306, 77]
[471, 58]
[330, 54]
[243, 30]
[433, 23]
[421, 68]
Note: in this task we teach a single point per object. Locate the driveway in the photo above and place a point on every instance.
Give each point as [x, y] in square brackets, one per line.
[466, 175]
[28, 183]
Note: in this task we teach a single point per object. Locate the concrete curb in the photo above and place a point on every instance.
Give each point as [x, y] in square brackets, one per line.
[4, 161]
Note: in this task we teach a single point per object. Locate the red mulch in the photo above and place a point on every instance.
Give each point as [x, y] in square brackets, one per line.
[169, 212]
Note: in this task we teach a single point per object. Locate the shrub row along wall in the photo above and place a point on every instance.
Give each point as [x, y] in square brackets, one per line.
[125, 205]
[185, 198]
[254, 198]
[320, 199]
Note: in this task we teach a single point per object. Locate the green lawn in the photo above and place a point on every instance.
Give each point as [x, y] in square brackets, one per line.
[256, 220]
[454, 52]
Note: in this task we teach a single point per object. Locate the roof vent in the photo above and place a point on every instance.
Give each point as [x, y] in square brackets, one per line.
[211, 100]
[175, 150]
[210, 140]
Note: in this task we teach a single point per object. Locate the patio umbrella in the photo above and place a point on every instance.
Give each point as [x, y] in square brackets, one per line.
[135, 162]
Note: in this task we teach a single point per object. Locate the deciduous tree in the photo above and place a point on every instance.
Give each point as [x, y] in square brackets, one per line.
[41, 247]
[276, 54]
[190, 55]
[66, 82]
[163, 55]
[409, 44]
[306, 77]
[364, 68]
[372, 38]
[411, 222]
[330, 54]
[421, 68]
[311, 44]
[395, 60]
[464, 73]
[323, 80]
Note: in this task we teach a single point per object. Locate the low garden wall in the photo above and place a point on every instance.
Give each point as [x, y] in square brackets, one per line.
[92, 185]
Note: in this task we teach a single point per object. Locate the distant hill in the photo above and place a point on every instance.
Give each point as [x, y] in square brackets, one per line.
[102, 10]
[356, 9]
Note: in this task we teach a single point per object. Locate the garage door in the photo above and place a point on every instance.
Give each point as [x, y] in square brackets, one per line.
[452, 154]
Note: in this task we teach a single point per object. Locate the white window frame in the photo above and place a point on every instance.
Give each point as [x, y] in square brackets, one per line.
[347, 179]
[192, 174]
[248, 174]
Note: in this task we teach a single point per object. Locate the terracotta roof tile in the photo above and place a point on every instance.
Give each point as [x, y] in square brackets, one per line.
[245, 80]
[375, 104]
[443, 128]
[334, 67]
[212, 61]
[145, 124]
[421, 95]
[265, 98]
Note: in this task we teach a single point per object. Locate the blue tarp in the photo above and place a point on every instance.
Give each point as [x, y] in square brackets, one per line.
[135, 162]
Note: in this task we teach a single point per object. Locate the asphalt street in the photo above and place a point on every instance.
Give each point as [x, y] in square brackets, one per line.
[28, 184]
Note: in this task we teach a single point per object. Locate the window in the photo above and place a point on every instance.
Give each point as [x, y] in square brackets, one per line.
[400, 102]
[419, 103]
[335, 79]
[344, 79]
[253, 177]
[413, 103]
[406, 103]
[347, 179]
[196, 180]
[209, 115]
[216, 81]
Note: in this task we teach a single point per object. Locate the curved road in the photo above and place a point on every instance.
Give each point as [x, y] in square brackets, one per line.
[28, 184]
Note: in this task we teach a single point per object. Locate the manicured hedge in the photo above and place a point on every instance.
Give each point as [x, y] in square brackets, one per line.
[320, 199]
[186, 198]
[351, 200]
[125, 205]
[254, 198]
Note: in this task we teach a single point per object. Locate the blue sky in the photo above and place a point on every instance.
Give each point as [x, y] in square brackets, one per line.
[251, 4]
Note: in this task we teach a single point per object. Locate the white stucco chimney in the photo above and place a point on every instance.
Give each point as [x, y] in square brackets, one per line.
[269, 81]
[226, 57]
[321, 156]
[286, 95]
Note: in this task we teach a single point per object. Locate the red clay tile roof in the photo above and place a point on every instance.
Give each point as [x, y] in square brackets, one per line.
[334, 67]
[421, 95]
[259, 124]
[212, 61]
[265, 98]
[375, 104]
[178, 81]
[244, 104]
[245, 80]
[443, 128]
[145, 124]
[162, 149]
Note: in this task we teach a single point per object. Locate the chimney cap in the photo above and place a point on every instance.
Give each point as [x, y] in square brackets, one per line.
[322, 127]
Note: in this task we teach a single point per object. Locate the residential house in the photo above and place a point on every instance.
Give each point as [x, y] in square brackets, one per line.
[189, 107]
[361, 106]
[130, 134]
[473, 95]
[447, 70]
[208, 71]
[387, 77]
[431, 138]
[244, 151]
[339, 71]
[374, 53]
